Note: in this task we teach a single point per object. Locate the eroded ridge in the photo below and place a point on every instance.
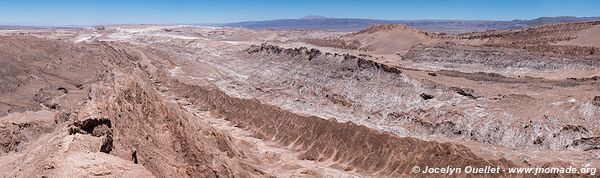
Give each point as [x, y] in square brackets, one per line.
[345, 145]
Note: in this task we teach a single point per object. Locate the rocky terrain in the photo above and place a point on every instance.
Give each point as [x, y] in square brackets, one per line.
[189, 101]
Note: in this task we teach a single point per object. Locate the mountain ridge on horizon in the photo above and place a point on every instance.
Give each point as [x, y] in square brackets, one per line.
[315, 22]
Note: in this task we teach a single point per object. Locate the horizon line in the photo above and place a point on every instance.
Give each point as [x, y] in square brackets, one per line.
[300, 18]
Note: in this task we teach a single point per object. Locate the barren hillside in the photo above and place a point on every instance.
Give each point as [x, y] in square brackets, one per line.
[189, 101]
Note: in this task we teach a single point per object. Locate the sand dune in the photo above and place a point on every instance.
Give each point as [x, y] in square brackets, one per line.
[389, 39]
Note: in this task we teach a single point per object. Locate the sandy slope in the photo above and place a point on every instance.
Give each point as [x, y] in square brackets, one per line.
[587, 37]
[389, 39]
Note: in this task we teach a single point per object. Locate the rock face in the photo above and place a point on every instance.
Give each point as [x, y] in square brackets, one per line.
[121, 128]
[304, 52]
[597, 100]
[335, 43]
[66, 136]
[182, 147]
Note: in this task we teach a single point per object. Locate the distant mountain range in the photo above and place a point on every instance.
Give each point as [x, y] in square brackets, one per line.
[314, 22]
[21, 27]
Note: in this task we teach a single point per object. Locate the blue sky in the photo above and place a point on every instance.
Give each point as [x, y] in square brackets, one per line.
[93, 12]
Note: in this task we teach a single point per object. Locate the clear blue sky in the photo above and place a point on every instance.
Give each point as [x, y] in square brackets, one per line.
[89, 12]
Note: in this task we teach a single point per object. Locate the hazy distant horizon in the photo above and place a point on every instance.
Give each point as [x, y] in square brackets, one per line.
[88, 13]
[221, 24]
